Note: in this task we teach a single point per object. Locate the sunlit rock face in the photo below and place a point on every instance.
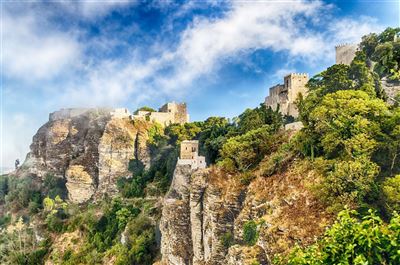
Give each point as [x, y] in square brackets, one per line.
[205, 211]
[89, 148]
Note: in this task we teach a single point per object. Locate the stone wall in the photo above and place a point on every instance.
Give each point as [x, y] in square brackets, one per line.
[345, 53]
[168, 114]
[285, 95]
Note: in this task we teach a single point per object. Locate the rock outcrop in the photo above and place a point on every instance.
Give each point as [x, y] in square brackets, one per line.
[205, 211]
[90, 148]
[391, 88]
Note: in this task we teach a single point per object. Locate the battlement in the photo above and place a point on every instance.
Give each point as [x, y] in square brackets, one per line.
[298, 74]
[344, 44]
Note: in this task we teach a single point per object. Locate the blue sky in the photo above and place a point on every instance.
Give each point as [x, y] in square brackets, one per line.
[218, 56]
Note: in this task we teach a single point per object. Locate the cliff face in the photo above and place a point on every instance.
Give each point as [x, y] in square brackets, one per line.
[203, 207]
[89, 148]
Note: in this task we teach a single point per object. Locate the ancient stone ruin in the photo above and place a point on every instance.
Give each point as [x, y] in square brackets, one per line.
[168, 114]
[189, 155]
[345, 53]
[283, 96]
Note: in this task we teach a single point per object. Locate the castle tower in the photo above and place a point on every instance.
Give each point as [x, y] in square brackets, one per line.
[286, 95]
[189, 155]
[178, 111]
[345, 53]
[189, 149]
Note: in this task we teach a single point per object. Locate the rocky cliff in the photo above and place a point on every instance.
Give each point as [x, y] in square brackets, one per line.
[89, 148]
[204, 208]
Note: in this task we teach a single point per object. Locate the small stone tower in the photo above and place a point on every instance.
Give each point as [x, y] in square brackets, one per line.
[189, 154]
[285, 95]
[345, 53]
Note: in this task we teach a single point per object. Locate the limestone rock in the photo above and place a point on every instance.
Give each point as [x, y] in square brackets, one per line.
[90, 148]
[202, 207]
[79, 184]
[246, 255]
[391, 88]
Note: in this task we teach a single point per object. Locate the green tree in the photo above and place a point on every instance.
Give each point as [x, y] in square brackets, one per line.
[352, 241]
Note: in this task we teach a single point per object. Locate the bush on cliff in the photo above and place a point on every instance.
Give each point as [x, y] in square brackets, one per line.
[352, 240]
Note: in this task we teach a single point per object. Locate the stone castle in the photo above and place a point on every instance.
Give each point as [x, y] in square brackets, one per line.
[284, 95]
[168, 114]
[189, 155]
[345, 53]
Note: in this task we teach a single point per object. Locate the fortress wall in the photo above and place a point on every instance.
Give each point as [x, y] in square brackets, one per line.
[181, 115]
[66, 113]
[120, 113]
[277, 96]
[164, 118]
[345, 53]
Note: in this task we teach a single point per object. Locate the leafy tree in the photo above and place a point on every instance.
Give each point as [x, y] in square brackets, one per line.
[244, 152]
[252, 119]
[352, 241]
[391, 189]
[348, 182]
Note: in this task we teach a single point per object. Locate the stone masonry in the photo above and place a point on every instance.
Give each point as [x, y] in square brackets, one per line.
[283, 96]
[345, 53]
[168, 114]
[189, 155]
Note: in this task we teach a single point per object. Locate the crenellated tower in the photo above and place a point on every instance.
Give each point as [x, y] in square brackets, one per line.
[345, 53]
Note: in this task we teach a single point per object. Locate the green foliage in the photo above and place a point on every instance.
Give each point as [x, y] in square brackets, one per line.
[245, 151]
[227, 239]
[250, 233]
[348, 121]
[384, 49]
[19, 246]
[252, 119]
[54, 186]
[352, 241]
[144, 108]
[3, 187]
[179, 132]
[114, 220]
[213, 136]
[278, 160]
[348, 182]
[391, 189]
[56, 213]
[21, 192]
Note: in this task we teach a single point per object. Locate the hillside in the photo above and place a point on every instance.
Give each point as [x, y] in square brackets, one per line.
[98, 188]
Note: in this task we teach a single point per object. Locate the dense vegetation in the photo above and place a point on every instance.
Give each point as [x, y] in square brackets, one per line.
[351, 136]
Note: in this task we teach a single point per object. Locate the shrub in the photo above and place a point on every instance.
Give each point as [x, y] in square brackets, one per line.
[348, 182]
[227, 239]
[250, 233]
[391, 189]
[352, 241]
[246, 151]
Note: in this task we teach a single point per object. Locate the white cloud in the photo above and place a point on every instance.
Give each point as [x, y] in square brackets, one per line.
[93, 9]
[16, 137]
[349, 30]
[33, 51]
